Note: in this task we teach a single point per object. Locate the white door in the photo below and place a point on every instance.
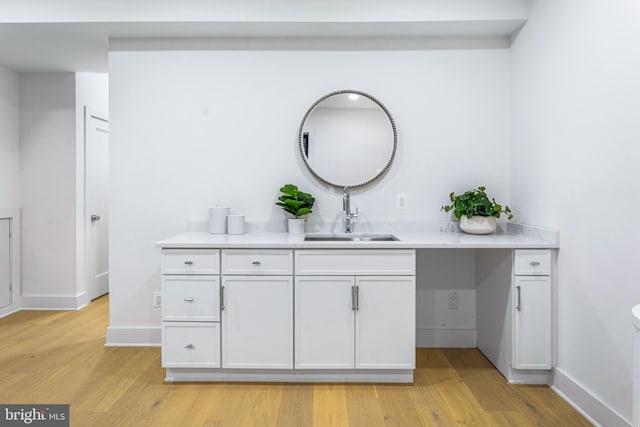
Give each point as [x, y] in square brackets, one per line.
[385, 322]
[257, 322]
[5, 262]
[325, 322]
[97, 214]
[532, 322]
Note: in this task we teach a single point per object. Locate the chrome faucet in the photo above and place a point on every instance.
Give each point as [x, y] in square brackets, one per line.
[349, 217]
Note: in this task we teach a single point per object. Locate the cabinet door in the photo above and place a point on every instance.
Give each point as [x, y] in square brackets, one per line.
[532, 322]
[257, 322]
[324, 322]
[385, 322]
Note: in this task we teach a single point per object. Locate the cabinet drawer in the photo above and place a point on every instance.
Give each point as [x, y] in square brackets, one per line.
[356, 262]
[532, 262]
[194, 298]
[190, 345]
[251, 262]
[190, 261]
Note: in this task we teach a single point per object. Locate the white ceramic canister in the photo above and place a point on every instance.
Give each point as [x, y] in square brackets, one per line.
[218, 220]
[235, 224]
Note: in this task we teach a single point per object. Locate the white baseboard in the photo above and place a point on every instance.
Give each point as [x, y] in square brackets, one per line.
[52, 302]
[530, 376]
[8, 310]
[585, 402]
[133, 336]
[458, 338]
[290, 375]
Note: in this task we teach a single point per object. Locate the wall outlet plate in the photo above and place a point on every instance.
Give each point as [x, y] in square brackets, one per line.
[157, 299]
[452, 300]
[401, 201]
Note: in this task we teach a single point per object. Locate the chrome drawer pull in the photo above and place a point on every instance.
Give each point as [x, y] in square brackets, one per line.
[188, 263]
[519, 305]
[256, 263]
[189, 347]
[188, 299]
[534, 263]
[222, 298]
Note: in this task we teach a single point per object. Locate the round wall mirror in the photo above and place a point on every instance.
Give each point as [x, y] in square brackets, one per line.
[347, 139]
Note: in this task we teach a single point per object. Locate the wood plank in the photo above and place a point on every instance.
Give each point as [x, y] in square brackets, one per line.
[431, 407]
[464, 406]
[363, 405]
[330, 405]
[488, 386]
[398, 409]
[296, 406]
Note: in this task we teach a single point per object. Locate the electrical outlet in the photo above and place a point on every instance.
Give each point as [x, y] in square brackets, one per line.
[452, 299]
[401, 201]
[157, 299]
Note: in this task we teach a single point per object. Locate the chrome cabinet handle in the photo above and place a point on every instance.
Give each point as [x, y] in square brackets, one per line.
[518, 305]
[256, 263]
[534, 263]
[189, 347]
[222, 298]
[95, 217]
[188, 299]
[188, 263]
[353, 298]
[357, 298]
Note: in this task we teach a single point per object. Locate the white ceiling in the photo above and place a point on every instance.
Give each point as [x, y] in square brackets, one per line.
[75, 35]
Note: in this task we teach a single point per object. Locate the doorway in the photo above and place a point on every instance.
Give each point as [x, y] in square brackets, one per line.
[96, 126]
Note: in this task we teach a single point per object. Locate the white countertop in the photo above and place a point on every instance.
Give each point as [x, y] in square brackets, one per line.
[407, 240]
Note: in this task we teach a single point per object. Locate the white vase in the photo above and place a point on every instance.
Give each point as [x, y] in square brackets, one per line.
[296, 226]
[478, 224]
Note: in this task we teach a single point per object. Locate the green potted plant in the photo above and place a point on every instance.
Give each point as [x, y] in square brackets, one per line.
[297, 203]
[476, 212]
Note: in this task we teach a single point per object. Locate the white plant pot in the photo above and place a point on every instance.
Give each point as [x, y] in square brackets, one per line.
[478, 224]
[296, 225]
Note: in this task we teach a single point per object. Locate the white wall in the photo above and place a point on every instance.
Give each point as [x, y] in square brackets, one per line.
[192, 129]
[47, 171]
[575, 154]
[9, 139]
[52, 184]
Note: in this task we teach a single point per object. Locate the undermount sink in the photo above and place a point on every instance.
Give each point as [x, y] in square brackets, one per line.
[355, 237]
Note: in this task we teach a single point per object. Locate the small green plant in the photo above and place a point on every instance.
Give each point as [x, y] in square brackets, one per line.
[475, 202]
[294, 201]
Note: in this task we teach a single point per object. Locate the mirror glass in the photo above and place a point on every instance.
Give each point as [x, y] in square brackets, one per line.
[347, 139]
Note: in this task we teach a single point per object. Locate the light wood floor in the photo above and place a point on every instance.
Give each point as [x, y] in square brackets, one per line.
[59, 357]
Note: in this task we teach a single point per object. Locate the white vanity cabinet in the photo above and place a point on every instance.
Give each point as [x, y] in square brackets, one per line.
[532, 337]
[272, 307]
[257, 309]
[365, 320]
[191, 308]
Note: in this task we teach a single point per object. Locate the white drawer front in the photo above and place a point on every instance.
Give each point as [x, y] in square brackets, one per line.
[190, 261]
[191, 298]
[190, 345]
[532, 262]
[382, 262]
[254, 261]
